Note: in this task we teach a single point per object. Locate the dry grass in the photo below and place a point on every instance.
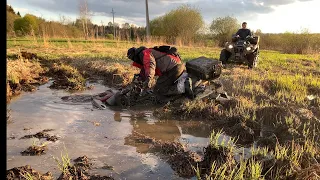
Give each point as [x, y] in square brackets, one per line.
[23, 70]
[66, 77]
[291, 43]
[294, 43]
[23, 74]
[113, 73]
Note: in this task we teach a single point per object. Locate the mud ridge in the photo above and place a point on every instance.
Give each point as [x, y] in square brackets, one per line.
[35, 150]
[182, 161]
[24, 172]
[80, 171]
[42, 135]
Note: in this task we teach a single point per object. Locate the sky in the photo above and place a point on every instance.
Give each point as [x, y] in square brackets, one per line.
[270, 16]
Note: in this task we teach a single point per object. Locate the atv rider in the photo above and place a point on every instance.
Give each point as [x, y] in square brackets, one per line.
[155, 63]
[242, 35]
[243, 32]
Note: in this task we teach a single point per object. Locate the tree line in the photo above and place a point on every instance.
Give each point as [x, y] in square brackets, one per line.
[181, 26]
[31, 25]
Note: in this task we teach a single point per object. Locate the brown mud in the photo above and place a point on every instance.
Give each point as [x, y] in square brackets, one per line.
[66, 77]
[25, 172]
[184, 161]
[68, 74]
[311, 172]
[8, 115]
[35, 150]
[246, 131]
[42, 135]
[25, 73]
[114, 74]
[265, 125]
[79, 170]
[15, 88]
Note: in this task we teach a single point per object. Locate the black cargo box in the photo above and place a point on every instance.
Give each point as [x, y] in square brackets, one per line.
[204, 68]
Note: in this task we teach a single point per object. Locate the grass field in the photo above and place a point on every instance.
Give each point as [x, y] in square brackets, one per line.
[279, 99]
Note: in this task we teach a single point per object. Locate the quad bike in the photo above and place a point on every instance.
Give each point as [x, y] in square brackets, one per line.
[201, 72]
[243, 51]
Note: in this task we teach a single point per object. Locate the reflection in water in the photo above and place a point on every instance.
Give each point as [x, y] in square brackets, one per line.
[117, 116]
[159, 130]
[193, 134]
[196, 128]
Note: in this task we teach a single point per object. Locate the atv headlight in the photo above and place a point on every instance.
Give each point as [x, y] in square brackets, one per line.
[248, 48]
[230, 46]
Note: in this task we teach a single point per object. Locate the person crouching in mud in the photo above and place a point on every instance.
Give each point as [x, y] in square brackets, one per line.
[155, 63]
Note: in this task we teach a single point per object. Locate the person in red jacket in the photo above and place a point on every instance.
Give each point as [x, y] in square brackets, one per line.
[156, 63]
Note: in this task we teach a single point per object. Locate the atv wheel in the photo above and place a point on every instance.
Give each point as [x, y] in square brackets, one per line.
[251, 60]
[255, 61]
[224, 56]
[256, 58]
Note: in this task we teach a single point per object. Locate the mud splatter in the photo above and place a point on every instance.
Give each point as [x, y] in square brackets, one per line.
[80, 171]
[24, 172]
[42, 135]
[8, 115]
[35, 150]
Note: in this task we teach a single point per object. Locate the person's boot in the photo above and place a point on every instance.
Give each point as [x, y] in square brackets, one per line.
[188, 88]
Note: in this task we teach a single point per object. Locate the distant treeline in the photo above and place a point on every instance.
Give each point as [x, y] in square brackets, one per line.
[30, 25]
[181, 26]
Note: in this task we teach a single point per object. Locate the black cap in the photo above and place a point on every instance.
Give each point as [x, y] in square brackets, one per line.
[131, 53]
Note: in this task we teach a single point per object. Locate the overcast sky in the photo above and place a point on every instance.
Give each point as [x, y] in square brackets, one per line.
[271, 16]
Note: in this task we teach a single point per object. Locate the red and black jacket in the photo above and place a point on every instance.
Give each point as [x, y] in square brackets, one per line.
[155, 63]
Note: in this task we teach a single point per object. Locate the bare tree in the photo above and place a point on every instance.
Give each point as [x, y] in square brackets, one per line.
[103, 34]
[147, 21]
[114, 28]
[84, 16]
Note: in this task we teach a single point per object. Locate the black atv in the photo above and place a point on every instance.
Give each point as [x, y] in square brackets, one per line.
[242, 51]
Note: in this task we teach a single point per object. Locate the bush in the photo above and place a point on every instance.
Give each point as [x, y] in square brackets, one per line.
[223, 28]
[109, 36]
[22, 25]
[183, 22]
[11, 17]
[33, 22]
[302, 43]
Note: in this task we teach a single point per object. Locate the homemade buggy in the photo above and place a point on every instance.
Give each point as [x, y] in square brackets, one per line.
[201, 75]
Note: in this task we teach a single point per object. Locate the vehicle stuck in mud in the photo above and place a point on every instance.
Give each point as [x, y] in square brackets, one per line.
[202, 73]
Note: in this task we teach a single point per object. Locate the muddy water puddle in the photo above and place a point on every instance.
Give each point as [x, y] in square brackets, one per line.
[104, 136]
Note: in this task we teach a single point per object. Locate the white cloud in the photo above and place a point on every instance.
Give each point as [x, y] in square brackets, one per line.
[21, 10]
[292, 17]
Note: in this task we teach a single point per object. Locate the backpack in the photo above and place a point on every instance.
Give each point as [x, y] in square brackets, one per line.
[169, 50]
